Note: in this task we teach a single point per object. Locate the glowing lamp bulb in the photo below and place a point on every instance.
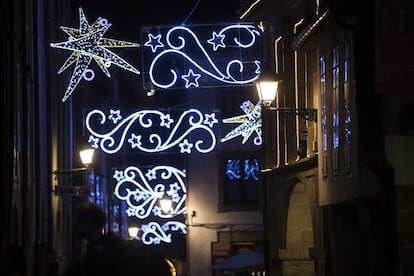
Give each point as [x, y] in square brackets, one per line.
[86, 156]
[166, 204]
[133, 231]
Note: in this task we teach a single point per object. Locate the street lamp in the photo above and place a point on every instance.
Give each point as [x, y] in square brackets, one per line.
[86, 156]
[166, 204]
[133, 232]
[267, 87]
[72, 185]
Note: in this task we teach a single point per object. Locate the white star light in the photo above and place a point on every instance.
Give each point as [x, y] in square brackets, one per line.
[154, 42]
[151, 175]
[135, 140]
[86, 43]
[185, 146]
[249, 123]
[217, 41]
[191, 79]
[131, 211]
[115, 116]
[118, 175]
[210, 119]
[166, 120]
[93, 141]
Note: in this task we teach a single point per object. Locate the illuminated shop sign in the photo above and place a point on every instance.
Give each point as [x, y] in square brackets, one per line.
[172, 57]
[142, 192]
[201, 56]
[152, 131]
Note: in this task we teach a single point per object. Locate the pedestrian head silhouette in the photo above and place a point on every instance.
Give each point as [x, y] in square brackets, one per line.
[89, 221]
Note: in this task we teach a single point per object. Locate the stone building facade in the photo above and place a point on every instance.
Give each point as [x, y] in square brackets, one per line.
[342, 207]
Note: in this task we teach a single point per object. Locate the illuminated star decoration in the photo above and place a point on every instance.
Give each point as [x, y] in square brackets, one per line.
[154, 42]
[191, 79]
[217, 41]
[200, 57]
[210, 119]
[115, 115]
[86, 43]
[249, 122]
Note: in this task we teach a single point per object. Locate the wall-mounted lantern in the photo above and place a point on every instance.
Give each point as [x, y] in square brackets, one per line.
[86, 156]
[267, 86]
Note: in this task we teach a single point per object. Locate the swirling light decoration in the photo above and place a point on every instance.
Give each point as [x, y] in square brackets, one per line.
[154, 233]
[201, 62]
[142, 193]
[142, 127]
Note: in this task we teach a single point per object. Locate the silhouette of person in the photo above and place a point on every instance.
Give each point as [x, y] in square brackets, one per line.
[13, 261]
[106, 254]
[147, 261]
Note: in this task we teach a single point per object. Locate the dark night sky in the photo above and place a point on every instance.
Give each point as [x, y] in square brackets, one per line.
[162, 12]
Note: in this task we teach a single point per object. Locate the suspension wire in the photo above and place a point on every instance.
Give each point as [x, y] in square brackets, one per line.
[191, 12]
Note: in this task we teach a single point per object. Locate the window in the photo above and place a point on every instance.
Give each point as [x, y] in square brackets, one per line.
[347, 107]
[322, 68]
[335, 109]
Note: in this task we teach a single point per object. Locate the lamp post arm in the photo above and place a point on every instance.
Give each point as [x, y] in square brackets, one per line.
[309, 114]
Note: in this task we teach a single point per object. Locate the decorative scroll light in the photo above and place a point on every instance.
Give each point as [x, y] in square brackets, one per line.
[154, 233]
[143, 192]
[182, 57]
[250, 122]
[87, 43]
[152, 131]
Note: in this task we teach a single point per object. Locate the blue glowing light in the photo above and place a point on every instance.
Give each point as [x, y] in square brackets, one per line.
[87, 43]
[179, 58]
[233, 169]
[250, 122]
[152, 131]
[249, 168]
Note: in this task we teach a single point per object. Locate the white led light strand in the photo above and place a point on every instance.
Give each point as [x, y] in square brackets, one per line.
[154, 233]
[176, 41]
[142, 194]
[142, 126]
